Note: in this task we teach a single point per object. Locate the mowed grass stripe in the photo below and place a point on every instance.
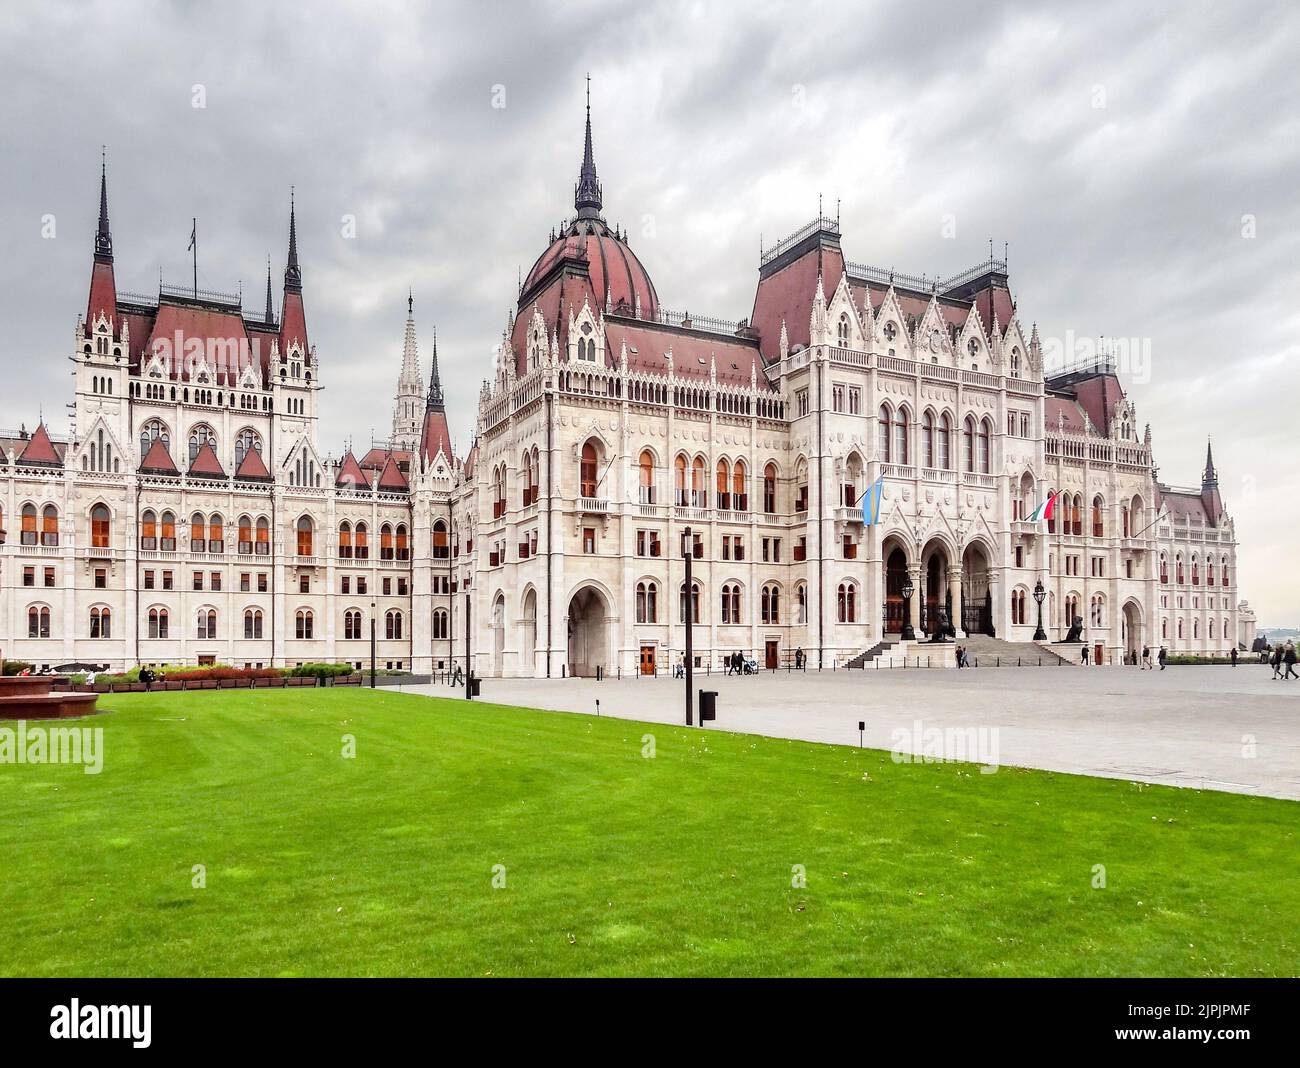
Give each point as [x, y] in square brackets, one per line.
[615, 864]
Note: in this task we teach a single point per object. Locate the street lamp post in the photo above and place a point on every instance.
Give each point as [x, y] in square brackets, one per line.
[372, 645]
[908, 635]
[689, 612]
[1040, 635]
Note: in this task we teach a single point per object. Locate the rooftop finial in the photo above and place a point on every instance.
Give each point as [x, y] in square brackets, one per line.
[292, 272]
[410, 303]
[103, 237]
[587, 196]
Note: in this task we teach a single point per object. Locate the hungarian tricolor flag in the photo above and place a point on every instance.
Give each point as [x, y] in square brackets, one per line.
[1044, 510]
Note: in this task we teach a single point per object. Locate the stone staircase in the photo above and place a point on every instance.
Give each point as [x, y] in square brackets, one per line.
[904, 655]
[984, 651]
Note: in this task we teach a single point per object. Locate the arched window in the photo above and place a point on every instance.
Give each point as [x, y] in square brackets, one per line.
[1098, 509]
[305, 541]
[440, 628]
[770, 604]
[38, 621]
[842, 330]
[361, 542]
[30, 534]
[731, 603]
[801, 605]
[1196, 571]
[695, 603]
[167, 538]
[1178, 569]
[303, 624]
[847, 602]
[386, 542]
[253, 623]
[982, 449]
[927, 439]
[50, 525]
[99, 526]
[263, 536]
[101, 623]
[699, 495]
[247, 441]
[1018, 601]
[739, 488]
[1015, 362]
[1164, 569]
[900, 436]
[199, 436]
[148, 529]
[352, 624]
[393, 625]
[157, 622]
[769, 489]
[679, 481]
[345, 540]
[647, 602]
[403, 542]
[1076, 515]
[151, 431]
[943, 443]
[968, 444]
[206, 624]
[198, 531]
[441, 542]
[724, 485]
[216, 533]
[646, 477]
[883, 421]
[587, 470]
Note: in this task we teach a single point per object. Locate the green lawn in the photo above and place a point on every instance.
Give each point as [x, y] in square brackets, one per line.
[615, 864]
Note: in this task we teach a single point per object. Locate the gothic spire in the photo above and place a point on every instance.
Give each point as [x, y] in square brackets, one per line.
[292, 272]
[103, 236]
[435, 400]
[1210, 475]
[270, 312]
[587, 194]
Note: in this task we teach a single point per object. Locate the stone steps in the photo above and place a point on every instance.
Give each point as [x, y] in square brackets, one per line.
[984, 651]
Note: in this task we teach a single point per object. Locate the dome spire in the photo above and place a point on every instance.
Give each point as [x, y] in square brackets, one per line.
[103, 236]
[587, 195]
[292, 272]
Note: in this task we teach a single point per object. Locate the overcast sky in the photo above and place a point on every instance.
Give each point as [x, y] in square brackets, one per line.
[1141, 163]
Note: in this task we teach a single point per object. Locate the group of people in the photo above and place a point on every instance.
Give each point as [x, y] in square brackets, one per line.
[1147, 664]
[1283, 656]
[963, 656]
[148, 676]
[739, 664]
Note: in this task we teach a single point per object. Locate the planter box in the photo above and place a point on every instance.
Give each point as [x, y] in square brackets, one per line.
[274, 683]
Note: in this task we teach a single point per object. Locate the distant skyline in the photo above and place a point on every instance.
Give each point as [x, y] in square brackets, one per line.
[1140, 163]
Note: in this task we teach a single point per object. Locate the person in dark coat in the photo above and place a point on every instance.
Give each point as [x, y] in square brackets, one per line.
[1288, 658]
[1276, 661]
[1233, 656]
[1163, 657]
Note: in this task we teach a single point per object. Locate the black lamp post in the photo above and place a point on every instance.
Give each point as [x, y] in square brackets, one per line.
[687, 549]
[372, 645]
[908, 635]
[1040, 635]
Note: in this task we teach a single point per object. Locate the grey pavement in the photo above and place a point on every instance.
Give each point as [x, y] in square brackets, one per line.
[1218, 728]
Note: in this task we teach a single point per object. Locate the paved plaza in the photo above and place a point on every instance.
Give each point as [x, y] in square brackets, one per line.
[1218, 728]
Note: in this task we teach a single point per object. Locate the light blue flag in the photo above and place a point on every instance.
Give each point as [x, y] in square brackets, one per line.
[871, 502]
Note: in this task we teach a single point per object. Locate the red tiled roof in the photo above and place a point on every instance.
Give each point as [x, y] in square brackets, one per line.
[435, 436]
[206, 464]
[293, 322]
[1185, 505]
[1076, 421]
[788, 295]
[103, 296]
[377, 458]
[392, 478]
[40, 450]
[1099, 395]
[648, 344]
[252, 466]
[222, 334]
[158, 459]
[350, 473]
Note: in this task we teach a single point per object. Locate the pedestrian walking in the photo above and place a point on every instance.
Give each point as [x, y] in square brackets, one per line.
[1288, 658]
[1163, 657]
[1083, 655]
[798, 658]
[1146, 659]
[1233, 656]
[1276, 661]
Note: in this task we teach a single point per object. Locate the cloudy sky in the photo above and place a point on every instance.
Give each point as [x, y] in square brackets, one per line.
[1141, 163]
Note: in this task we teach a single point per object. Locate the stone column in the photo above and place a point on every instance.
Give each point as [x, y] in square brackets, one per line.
[954, 589]
[914, 606]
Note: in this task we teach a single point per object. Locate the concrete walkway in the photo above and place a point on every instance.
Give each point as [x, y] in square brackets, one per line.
[1217, 728]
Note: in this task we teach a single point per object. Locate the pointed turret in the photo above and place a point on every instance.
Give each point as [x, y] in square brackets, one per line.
[40, 450]
[270, 308]
[103, 288]
[410, 388]
[587, 194]
[293, 321]
[1210, 487]
[435, 436]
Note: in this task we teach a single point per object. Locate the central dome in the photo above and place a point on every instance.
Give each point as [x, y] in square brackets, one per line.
[618, 280]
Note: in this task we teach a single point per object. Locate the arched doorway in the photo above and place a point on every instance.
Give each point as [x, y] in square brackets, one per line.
[1131, 621]
[936, 607]
[588, 631]
[976, 591]
[528, 647]
[894, 609]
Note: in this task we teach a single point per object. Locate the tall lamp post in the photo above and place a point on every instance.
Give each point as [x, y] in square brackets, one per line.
[372, 644]
[1040, 635]
[908, 635]
[689, 612]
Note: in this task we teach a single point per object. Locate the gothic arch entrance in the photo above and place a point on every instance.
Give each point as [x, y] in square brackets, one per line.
[1131, 620]
[895, 576]
[976, 591]
[936, 606]
[498, 636]
[588, 629]
[528, 647]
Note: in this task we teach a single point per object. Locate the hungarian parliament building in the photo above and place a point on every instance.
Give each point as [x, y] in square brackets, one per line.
[191, 515]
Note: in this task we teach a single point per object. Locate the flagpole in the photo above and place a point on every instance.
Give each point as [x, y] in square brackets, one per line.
[194, 245]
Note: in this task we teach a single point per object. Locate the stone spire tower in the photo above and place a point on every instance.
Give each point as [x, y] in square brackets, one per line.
[408, 412]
